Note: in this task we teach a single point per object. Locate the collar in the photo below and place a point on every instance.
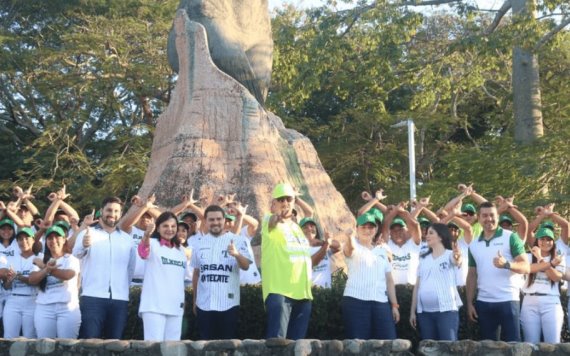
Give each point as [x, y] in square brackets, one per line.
[166, 243]
[498, 233]
[99, 227]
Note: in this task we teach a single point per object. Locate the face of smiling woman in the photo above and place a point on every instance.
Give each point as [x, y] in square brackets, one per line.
[167, 229]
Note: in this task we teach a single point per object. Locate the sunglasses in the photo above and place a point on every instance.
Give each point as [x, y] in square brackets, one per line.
[287, 199]
[470, 213]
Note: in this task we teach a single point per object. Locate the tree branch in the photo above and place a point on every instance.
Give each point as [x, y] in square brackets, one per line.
[565, 22]
[499, 16]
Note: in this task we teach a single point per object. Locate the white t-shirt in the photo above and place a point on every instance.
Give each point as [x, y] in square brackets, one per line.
[219, 283]
[541, 282]
[438, 290]
[23, 266]
[405, 260]
[252, 275]
[8, 251]
[322, 271]
[367, 270]
[58, 291]
[464, 269]
[163, 285]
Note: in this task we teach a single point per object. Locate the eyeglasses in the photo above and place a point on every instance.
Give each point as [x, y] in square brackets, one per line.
[287, 199]
[470, 213]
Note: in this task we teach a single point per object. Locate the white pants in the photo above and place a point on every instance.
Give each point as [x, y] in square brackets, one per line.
[3, 297]
[19, 316]
[57, 320]
[542, 314]
[161, 327]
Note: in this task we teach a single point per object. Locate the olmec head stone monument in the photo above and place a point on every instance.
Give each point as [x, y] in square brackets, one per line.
[217, 138]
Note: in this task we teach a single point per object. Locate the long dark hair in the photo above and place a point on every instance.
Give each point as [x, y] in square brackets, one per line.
[443, 232]
[167, 215]
[532, 276]
[13, 235]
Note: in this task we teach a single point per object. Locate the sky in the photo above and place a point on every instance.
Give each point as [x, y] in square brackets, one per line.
[483, 4]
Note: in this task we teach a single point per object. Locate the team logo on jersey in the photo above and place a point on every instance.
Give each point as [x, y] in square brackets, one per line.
[168, 261]
[8, 253]
[403, 258]
[443, 266]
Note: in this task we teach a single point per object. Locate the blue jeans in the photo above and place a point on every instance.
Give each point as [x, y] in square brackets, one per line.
[102, 315]
[366, 319]
[217, 325]
[287, 317]
[493, 315]
[438, 325]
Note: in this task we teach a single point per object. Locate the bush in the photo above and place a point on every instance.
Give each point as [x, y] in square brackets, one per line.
[326, 318]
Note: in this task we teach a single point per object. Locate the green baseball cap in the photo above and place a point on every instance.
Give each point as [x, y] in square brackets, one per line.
[188, 214]
[55, 229]
[547, 225]
[544, 232]
[398, 221]
[63, 224]
[27, 231]
[468, 208]
[377, 213]
[7, 221]
[504, 218]
[307, 220]
[452, 225]
[366, 219]
[230, 217]
[424, 221]
[283, 190]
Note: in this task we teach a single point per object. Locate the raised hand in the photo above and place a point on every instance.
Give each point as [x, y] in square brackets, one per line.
[539, 210]
[149, 229]
[28, 193]
[548, 209]
[61, 194]
[558, 258]
[86, 238]
[456, 253]
[12, 206]
[18, 192]
[232, 250]
[379, 195]
[366, 196]
[241, 210]
[499, 261]
[89, 220]
[150, 200]
[137, 201]
[535, 250]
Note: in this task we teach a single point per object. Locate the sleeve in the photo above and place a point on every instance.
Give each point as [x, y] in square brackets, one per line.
[472, 262]
[132, 260]
[78, 250]
[71, 263]
[143, 250]
[242, 248]
[516, 244]
[195, 260]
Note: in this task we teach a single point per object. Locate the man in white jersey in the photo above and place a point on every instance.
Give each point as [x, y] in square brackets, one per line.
[217, 259]
[108, 259]
[496, 260]
[404, 242]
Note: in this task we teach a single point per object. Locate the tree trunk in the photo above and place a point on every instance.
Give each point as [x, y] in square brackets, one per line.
[526, 85]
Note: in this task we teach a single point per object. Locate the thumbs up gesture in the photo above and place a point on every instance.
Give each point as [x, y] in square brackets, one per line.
[456, 253]
[557, 259]
[499, 261]
[87, 238]
[232, 250]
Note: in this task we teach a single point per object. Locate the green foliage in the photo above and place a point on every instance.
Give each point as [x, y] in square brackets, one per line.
[326, 317]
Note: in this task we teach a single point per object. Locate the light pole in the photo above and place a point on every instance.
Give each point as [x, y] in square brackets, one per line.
[411, 154]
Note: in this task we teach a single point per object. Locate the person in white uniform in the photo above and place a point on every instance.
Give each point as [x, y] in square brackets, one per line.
[435, 297]
[8, 248]
[217, 260]
[57, 313]
[21, 302]
[323, 249]
[541, 311]
[162, 297]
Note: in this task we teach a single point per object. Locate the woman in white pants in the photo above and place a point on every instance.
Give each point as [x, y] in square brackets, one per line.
[21, 302]
[541, 311]
[57, 313]
[162, 296]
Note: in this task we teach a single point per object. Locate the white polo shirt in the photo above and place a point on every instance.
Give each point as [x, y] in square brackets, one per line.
[405, 261]
[137, 235]
[496, 284]
[367, 270]
[218, 283]
[57, 290]
[107, 265]
[438, 290]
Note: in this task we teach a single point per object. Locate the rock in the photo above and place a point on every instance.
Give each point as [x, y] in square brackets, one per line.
[252, 347]
[401, 345]
[333, 347]
[198, 345]
[352, 346]
[45, 346]
[228, 346]
[239, 40]
[215, 137]
[173, 348]
[117, 345]
[303, 347]
[278, 342]
[20, 348]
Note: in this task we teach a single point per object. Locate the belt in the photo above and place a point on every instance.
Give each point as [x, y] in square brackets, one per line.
[137, 280]
[540, 294]
[21, 295]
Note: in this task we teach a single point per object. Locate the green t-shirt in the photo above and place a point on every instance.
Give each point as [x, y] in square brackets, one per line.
[285, 261]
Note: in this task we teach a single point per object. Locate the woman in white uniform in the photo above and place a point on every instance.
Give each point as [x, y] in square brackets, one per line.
[182, 235]
[21, 302]
[162, 296]
[321, 272]
[8, 247]
[57, 313]
[435, 297]
[541, 311]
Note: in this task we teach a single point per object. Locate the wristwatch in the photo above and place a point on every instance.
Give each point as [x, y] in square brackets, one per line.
[507, 265]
